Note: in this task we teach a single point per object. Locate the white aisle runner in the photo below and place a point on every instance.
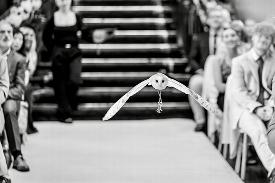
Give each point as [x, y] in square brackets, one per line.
[146, 151]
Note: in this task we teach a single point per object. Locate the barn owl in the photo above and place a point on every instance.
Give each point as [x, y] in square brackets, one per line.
[159, 82]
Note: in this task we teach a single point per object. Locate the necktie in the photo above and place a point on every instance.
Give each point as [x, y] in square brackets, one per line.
[215, 43]
[260, 72]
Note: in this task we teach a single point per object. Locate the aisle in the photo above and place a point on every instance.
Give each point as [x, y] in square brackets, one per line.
[148, 151]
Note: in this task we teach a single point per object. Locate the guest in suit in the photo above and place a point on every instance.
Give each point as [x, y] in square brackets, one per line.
[271, 125]
[5, 43]
[251, 82]
[16, 68]
[202, 45]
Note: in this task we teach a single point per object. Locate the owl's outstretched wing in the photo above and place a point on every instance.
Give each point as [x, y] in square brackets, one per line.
[203, 102]
[175, 84]
[116, 107]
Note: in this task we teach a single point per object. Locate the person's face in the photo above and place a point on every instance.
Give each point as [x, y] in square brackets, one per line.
[63, 4]
[15, 17]
[215, 19]
[6, 36]
[29, 36]
[36, 4]
[230, 38]
[26, 8]
[17, 41]
[249, 25]
[261, 43]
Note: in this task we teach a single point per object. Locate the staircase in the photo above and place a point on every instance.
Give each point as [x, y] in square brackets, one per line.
[144, 43]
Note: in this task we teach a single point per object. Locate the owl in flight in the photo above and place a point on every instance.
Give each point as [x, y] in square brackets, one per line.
[160, 81]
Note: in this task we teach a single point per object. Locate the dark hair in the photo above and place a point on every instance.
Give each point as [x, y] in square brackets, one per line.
[28, 25]
[21, 50]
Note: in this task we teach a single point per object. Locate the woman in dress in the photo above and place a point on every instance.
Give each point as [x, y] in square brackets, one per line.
[231, 47]
[61, 37]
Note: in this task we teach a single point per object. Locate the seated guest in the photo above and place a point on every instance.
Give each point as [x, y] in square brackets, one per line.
[29, 50]
[217, 69]
[271, 125]
[203, 44]
[16, 68]
[5, 42]
[18, 41]
[15, 16]
[250, 85]
[221, 62]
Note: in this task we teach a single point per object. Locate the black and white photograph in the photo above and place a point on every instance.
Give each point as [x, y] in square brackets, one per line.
[137, 91]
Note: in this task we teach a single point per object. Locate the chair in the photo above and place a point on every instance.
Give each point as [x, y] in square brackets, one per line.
[240, 165]
[223, 148]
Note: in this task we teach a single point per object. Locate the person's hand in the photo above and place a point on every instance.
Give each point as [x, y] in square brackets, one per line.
[100, 35]
[264, 113]
[199, 71]
[48, 77]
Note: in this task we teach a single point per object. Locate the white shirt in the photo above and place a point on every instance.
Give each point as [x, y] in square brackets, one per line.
[5, 54]
[212, 44]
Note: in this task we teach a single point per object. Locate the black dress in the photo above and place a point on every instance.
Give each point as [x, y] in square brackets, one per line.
[62, 44]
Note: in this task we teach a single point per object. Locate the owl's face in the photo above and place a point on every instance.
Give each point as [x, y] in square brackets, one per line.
[159, 81]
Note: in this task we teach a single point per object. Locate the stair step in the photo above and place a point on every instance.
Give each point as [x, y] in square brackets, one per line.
[122, 2]
[129, 23]
[109, 79]
[129, 50]
[156, 8]
[126, 64]
[142, 36]
[127, 47]
[128, 111]
[123, 78]
[124, 11]
[157, 21]
[112, 94]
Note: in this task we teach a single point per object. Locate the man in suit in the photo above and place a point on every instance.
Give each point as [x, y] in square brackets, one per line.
[251, 82]
[16, 68]
[203, 45]
[5, 43]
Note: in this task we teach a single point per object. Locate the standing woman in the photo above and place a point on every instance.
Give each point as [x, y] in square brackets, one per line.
[61, 39]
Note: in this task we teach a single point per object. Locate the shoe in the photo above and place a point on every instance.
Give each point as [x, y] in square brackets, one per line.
[32, 130]
[68, 120]
[199, 127]
[4, 180]
[20, 164]
[271, 178]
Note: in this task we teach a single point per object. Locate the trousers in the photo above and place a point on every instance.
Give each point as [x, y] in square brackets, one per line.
[10, 109]
[66, 69]
[252, 125]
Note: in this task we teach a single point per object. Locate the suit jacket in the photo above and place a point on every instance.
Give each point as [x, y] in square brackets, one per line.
[16, 68]
[245, 82]
[4, 88]
[199, 51]
[242, 91]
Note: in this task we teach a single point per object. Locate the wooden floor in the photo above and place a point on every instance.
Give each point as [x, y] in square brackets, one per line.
[147, 151]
